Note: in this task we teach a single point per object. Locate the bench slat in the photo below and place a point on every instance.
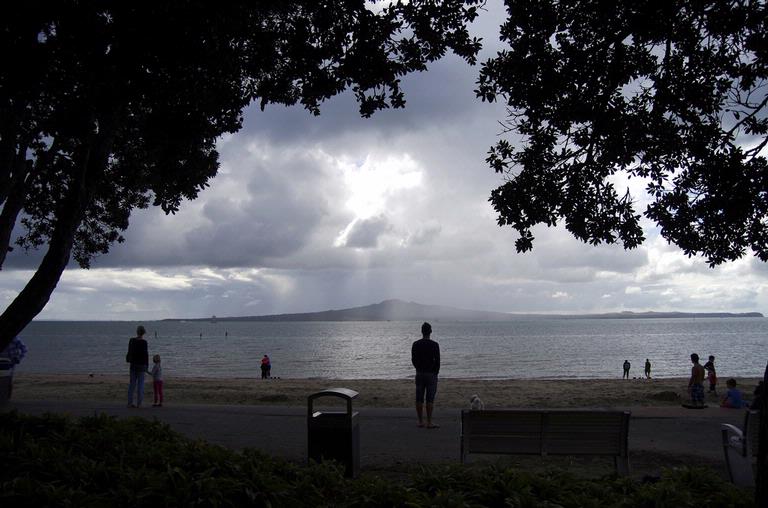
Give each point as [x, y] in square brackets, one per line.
[508, 444]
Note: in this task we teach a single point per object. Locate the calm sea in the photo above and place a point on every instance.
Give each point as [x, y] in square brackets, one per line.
[550, 348]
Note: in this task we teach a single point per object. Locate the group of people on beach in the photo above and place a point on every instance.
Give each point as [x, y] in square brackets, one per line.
[425, 357]
[627, 365]
[733, 397]
[138, 358]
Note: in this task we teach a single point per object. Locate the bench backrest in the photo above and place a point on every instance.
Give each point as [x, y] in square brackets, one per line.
[545, 432]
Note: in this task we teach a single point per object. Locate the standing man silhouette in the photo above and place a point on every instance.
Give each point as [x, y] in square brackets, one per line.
[425, 356]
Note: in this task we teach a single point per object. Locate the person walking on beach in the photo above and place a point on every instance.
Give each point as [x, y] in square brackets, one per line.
[157, 381]
[266, 367]
[647, 369]
[711, 374]
[425, 356]
[696, 383]
[627, 365]
[138, 357]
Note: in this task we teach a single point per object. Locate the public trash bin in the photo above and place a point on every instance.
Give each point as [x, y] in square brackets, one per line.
[334, 435]
[6, 378]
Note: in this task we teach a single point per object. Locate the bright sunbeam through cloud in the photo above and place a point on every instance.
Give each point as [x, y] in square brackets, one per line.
[371, 183]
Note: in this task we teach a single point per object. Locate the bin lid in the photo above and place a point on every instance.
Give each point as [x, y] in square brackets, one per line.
[344, 393]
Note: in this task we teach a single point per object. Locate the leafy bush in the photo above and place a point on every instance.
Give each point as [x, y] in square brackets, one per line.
[104, 461]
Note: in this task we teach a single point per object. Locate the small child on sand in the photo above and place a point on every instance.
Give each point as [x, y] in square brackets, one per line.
[733, 398]
[711, 374]
[157, 381]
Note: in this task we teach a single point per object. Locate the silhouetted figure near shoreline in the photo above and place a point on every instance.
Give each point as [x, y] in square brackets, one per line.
[626, 367]
[138, 357]
[711, 374]
[425, 357]
[266, 367]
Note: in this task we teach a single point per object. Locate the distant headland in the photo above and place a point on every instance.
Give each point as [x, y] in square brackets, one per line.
[399, 310]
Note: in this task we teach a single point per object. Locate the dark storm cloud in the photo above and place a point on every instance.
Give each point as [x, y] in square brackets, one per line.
[268, 207]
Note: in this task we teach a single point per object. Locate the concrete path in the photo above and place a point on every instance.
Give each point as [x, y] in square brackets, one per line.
[389, 437]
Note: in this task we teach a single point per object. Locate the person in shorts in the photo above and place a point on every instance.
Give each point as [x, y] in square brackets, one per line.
[696, 383]
[425, 356]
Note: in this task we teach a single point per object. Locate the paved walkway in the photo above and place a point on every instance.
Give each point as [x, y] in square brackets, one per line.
[389, 437]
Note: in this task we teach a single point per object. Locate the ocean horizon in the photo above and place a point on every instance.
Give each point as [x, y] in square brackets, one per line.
[535, 348]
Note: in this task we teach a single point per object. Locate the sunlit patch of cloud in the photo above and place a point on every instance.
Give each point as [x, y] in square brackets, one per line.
[372, 182]
[136, 279]
[243, 275]
[207, 273]
[364, 233]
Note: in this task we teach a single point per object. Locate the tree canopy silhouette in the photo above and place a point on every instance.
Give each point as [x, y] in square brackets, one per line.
[108, 107]
[670, 92]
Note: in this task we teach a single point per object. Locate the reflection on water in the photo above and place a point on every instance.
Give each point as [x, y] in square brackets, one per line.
[527, 348]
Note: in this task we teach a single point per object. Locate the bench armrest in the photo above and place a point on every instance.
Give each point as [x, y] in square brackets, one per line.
[733, 437]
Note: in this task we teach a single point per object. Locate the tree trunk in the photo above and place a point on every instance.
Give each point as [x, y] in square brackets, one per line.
[35, 295]
[761, 481]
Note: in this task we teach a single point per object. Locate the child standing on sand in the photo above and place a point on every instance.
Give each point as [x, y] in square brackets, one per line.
[157, 381]
[711, 374]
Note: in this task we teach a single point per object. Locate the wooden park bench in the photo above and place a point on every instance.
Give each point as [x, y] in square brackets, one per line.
[547, 432]
[740, 447]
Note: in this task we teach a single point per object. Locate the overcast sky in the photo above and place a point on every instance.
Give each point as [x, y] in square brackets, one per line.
[314, 213]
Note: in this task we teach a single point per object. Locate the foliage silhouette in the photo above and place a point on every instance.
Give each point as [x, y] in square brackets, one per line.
[673, 93]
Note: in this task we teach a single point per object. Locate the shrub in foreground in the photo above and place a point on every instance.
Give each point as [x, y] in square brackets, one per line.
[104, 461]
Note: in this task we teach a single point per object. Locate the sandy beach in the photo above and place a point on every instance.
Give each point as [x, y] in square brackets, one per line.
[393, 393]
